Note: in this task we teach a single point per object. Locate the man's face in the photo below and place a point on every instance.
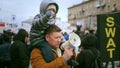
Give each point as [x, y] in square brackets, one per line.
[54, 39]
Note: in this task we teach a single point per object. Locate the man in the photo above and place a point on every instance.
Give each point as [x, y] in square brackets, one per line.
[89, 53]
[19, 51]
[4, 49]
[48, 11]
[47, 53]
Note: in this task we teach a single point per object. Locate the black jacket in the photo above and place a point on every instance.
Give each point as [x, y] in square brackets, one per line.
[5, 40]
[85, 58]
[19, 51]
[4, 52]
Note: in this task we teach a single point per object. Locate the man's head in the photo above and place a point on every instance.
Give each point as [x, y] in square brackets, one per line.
[22, 35]
[53, 36]
[89, 40]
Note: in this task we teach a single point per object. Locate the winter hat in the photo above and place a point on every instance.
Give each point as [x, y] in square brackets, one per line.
[22, 33]
[89, 41]
[51, 6]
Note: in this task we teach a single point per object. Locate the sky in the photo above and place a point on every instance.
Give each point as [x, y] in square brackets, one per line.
[24, 9]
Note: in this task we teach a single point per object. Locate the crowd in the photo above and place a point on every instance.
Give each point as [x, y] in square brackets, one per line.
[45, 40]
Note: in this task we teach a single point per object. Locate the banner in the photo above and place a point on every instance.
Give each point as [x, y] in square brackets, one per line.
[108, 30]
[2, 24]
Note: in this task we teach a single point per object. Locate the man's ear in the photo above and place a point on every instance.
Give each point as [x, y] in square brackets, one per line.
[46, 37]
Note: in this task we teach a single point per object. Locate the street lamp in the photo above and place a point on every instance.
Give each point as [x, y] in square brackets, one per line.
[13, 20]
[0, 9]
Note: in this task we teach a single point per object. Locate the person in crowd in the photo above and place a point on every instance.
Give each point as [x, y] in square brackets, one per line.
[81, 48]
[47, 53]
[46, 17]
[82, 34]
[72, 61]
[48, 11]
[66, 36]
[91, 31]
[118, 64]
[4, 49]
[112, 63]
[19, 50]
[85, 57]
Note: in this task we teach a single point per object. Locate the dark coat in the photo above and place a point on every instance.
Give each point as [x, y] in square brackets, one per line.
[19, 51]
[4, 47]
[85, 57]
[4, 52]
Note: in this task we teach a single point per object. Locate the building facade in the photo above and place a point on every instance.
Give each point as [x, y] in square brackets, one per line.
[85, 13]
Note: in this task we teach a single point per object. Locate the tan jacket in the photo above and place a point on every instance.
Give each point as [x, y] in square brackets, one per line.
[38, 61]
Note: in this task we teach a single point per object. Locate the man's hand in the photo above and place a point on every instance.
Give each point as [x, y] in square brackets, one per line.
[68, 52]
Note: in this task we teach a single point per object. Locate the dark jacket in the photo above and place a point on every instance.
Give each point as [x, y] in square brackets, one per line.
[85, 57]
[19, 51]
[4, 48]
[4, 52]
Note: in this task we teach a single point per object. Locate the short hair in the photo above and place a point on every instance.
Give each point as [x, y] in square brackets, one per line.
[52, 28]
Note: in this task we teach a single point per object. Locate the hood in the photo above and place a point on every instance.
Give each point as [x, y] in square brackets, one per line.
[44, 4]
[89, 40]
[21, 35]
